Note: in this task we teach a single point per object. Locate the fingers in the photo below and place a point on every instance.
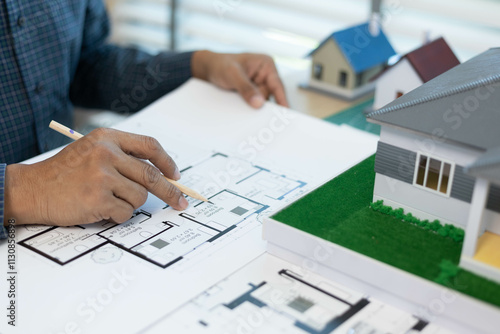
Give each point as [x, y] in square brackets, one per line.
[276, 87]
[246, 88]
[124, 160]
[152, 180]
[117, 210]
[260, 70]
[264, 91]
[268, 77]
[148, 148]
[131, 192]
[250, 74]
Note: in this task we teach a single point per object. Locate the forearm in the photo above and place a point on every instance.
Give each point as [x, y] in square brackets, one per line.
[126, 80]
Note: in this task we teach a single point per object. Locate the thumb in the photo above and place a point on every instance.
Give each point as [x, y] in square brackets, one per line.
[247, 89]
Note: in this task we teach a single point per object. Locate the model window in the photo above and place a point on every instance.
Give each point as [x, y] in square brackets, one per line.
[343, 79]
[359, 79]
[434, 174]
[318, 71]
[399, 94]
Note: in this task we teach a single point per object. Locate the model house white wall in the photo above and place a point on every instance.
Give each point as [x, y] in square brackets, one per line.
[415, 142]
[398, 194]
[399, 79]
[420, 201]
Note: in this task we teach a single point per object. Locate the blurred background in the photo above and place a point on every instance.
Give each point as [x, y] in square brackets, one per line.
[289, 29]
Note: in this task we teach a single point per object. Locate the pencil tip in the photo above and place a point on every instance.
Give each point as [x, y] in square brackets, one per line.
[210, 202]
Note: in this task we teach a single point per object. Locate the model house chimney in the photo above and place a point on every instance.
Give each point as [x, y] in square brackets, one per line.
[374, 25]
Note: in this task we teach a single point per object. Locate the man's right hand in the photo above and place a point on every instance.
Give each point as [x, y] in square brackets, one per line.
[99, 177]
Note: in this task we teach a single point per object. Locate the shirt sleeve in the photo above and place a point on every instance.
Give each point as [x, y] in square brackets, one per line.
[3, 231]
[121, 79]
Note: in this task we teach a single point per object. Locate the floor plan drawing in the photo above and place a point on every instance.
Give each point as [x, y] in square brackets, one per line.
[238, 191]
[266, 296]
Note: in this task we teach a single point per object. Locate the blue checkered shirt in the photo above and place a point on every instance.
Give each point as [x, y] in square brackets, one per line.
[53, 55]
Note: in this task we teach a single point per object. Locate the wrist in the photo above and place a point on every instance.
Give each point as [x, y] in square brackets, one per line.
[20, 196]
[200, 64]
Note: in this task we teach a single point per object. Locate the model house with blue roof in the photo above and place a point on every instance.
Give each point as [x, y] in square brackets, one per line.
[345, 62]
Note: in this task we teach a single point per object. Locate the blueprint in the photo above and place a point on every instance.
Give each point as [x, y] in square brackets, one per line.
[270, 295]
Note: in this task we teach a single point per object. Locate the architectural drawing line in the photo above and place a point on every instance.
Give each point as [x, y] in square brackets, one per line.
[56, 260]
[183, 215]
[249, 176]
[169, 226]
[215, 237]
[287, 273]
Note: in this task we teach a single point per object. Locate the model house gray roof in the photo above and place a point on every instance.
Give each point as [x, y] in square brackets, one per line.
[487, 166]
[461, 105]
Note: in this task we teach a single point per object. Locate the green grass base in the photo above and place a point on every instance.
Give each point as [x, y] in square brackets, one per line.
[339, 212]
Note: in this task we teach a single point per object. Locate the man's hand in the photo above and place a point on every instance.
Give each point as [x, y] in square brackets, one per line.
[99, 177]
[254, 76]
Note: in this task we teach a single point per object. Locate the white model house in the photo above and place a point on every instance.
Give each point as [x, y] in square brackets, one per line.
[412, 70]
[438, 156]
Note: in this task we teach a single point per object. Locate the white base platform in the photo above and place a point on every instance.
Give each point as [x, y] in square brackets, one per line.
[479, 268]
[345, 94]
[427, 300]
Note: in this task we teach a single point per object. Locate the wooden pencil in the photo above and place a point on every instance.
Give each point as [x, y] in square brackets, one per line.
[75, 136]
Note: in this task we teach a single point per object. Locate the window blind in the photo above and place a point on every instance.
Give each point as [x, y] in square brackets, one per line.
[289, 29]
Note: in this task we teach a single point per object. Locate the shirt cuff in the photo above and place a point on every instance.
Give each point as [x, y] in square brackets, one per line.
[3, 231]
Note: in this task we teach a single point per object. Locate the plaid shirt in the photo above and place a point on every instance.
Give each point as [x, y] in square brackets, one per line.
[53, 55]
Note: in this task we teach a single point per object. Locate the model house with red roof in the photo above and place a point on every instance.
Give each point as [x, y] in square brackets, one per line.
[345, 62]
[412, 70]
